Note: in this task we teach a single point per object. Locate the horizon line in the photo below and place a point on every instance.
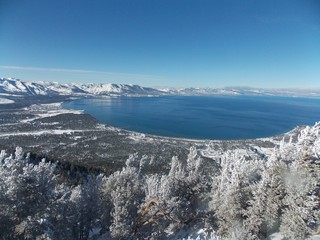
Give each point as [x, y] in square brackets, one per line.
[176, 88]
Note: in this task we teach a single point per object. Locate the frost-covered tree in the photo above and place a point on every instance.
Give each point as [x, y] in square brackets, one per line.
[263, 211]
[123, 194]
[287, 196]
[82, 206]
[300, 203]
[246, 196]
[174, 200]
[185, 184]
[302, 184]
[227, 197]
[26, 191]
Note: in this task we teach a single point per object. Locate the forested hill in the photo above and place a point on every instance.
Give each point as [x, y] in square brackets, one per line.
[243, 198]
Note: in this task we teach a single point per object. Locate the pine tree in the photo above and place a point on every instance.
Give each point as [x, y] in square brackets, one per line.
[27, 190]
[123, 193]
[262, 214]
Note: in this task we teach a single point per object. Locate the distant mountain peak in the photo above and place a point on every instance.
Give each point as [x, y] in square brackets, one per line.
[17, 86]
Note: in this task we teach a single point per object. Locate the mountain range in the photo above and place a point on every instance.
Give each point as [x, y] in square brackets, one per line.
[21, 87]
[17, 86]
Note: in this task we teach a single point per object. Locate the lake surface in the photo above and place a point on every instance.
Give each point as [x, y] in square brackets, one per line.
[217, 117]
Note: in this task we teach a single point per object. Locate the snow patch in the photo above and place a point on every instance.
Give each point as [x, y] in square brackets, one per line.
[315, 237]
[6, 101]
[48, 110]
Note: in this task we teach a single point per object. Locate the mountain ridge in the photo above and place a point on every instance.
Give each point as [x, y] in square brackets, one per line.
[17, 86]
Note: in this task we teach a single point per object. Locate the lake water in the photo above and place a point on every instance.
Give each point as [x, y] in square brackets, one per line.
[217, 117]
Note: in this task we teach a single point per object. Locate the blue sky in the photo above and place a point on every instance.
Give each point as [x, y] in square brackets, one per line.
[179, 43]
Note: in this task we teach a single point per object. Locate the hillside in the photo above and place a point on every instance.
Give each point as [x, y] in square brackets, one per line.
[244, 197]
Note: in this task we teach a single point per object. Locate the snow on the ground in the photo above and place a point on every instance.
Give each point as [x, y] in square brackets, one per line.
[202, 235]
[314, 237]
[264, 150]
[48, 110]
[10, 95]
[137, 136]
[275, 236]
[50, 123]
[6, 101]
[58, 112]
[278, 236]
[44, 132]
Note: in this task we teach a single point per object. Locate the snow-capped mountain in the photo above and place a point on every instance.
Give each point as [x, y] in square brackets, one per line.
[21, 87]
[117, 89]
[200, 91]
[17, 86]
[242, 91]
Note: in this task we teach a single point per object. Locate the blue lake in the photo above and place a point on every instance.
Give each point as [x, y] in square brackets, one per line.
[217, 117]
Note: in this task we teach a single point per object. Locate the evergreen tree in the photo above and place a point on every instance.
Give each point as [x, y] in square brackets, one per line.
[123, 193]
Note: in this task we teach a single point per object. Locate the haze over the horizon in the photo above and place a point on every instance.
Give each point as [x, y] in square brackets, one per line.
[179, 43]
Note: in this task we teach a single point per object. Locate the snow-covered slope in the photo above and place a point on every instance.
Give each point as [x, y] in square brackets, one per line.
[118, 89]
[17, 86]
[11, 85]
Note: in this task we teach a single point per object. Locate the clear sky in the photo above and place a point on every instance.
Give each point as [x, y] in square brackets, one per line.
[179, 43]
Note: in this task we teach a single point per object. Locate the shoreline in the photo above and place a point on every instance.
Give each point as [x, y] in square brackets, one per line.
[46, 129]
[189, 139]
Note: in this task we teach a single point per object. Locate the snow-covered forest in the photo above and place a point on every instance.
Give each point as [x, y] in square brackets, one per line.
[245, 198]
